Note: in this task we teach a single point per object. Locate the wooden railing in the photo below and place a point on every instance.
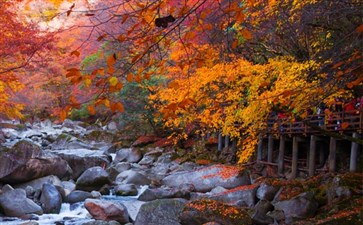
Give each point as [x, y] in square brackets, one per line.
[347, 122]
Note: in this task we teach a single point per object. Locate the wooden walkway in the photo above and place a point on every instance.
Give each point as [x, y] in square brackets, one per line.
[315, 129]
[346, 122]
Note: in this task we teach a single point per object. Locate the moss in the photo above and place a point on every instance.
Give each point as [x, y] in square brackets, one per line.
[206, 210]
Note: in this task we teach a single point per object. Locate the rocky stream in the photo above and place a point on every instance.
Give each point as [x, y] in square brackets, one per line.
[74, 174]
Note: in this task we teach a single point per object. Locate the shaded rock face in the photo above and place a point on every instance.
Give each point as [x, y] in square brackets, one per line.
[37, 184]
[92, 179]
[204, 211]
[300, 207]
[207, 178]
[26, 161]
[160, 212]
[15, 203]
[51, 199]
[260, 211]
[106, 210]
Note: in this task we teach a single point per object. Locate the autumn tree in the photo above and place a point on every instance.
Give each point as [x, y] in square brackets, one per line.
[17, 52]
[227, 63]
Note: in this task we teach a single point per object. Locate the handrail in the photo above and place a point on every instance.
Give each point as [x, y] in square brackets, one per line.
[348, 121]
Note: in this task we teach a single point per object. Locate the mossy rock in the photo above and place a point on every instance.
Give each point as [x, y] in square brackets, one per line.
[205, 210]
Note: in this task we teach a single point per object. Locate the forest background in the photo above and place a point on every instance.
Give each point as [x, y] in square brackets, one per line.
[180, 68]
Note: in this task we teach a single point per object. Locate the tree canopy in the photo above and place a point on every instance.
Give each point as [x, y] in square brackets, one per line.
[222, 65]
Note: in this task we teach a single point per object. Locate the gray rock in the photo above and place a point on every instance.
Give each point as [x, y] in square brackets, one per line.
[126, 190]
[160, 212]
[6, 188]
[68, 187]
[15, 203]
[162, 193]
[132, 177]
[80, 163]
[101, 222]
[241, 196]
[260, 211]
[77, 196]
[266, 192]
[92, 179]
[37, 184]
[300, 207]
[107, 210]
[207, 178]
[51, 199]
[132, 155]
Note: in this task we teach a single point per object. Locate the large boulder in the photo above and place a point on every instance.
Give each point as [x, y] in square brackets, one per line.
[207, 178]
[107, 210]
[80, 161]
[15, 203]
[160, 212]
[92, 179]
[132, 177]
[26, 161]
[132, 155]
[300, 207]
[203, 211]
[51, 199]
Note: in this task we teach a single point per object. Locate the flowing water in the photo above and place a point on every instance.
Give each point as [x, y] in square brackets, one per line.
[76, 214]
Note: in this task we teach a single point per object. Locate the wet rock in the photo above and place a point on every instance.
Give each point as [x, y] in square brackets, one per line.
[107, 210]
[207, 178]
[51, 199]
[126, 190]
[15, 203]
[160, 212]
[92, 179]
[132, 155]
[132, 177]
[203, 211]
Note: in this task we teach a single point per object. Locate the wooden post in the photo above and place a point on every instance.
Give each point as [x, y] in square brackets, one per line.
[220, 142]
[280, 161]
[295, 151]
[259, 148]
[332, 154]
[353, 155]
[270, 148]
[312, 153]
[226, 141]
[321, 155]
